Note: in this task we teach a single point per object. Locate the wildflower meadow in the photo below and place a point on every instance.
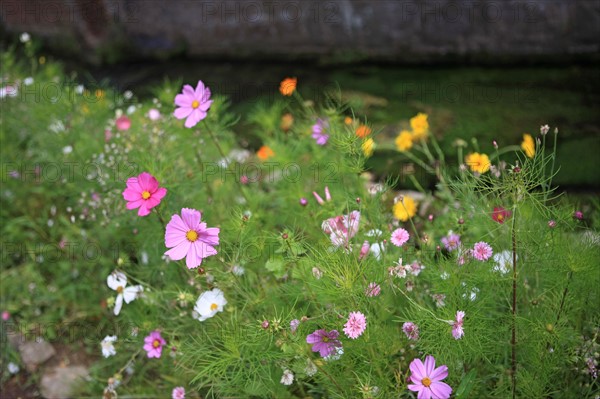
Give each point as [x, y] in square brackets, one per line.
[181, 260]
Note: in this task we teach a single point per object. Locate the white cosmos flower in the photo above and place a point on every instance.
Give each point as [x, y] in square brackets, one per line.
[503, 261]
[108, 349]
[13, 368]
[117, 281]
[287, 378]
[209, 303]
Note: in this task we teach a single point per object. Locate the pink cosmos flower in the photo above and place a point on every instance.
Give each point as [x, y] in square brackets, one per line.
[451, 241]
[400, 237]
[482, 251]
[107, 135]
[318, 130]
[500, 214]
[188, 237]
[123, 123]
[399, 270]
[143, 192]
[411, 330]
[364, 250]
[342, 228]
[294, 325]
[193, 104]
[578, 215]
[178, 393]
[326, 343]
[373, 289]
[415, 268]
[427, 380]
[356, 325]
[153, 344]
[154, 115]
[5, 315]
[457, 327]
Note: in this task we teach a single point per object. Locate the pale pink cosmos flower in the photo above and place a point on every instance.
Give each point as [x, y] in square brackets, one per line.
[427, 380]
[411, 330]
[153, 344]
[154, 115]
[356, 325]
[178, 393]
[189, 238]
[193, 104]
[342, 228]
[319, 131]
[326, 343]
[373, 289]
[5, 315]
[451, 241]
[400, 237]
[123, 123]
[397, 271]
[457, 326]
[144, 193]
[364, 250]
[482, 251]
[415, 268]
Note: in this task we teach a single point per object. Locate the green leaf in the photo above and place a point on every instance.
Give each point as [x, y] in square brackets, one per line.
[466, 384]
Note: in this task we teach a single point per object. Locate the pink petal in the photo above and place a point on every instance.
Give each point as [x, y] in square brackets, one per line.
[191, 218]
[131, 195]
[210, 236]
[174, 238]
[207, 95]
[192, 259]
[135, 204]
[188, 90]
[205, 106]
[425, 393]
[180, 251]
[182, 100]
[199, 90]
[152, 202]
[133, 184]
[439, 374]
[193, 118]
[144, 181]
[144, 210]
[176, 224]
[183, 112]
[160, 193]
[417, 369]
[440, 390]
[415, 388]
[203, 250]
[429, 365]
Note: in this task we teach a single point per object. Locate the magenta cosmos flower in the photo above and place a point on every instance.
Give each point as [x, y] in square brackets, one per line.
[123, 123]
[427, 380]
[318, 132]
[356, 325]
[144, 193]
[189, 238]
[178, 393]
[193, 104]
[451, 241]
[400, 237]
[411, 330]
[324, 342]
[482, 251]
[154, 343]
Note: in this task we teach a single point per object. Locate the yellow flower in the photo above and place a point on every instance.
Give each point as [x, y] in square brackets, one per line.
[367, 147]
[264, 153]
[404, 141]
[419, 126]
[288, 86]
[363, 131]
[405, 209]
[528, 145]
[478, 162]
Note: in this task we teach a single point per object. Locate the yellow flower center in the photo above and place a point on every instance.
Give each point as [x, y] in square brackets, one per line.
[119, 289]
[214, 307]
[325, 339]
[500, 217]
[191, 235]
[145, 194]
[426, 382]
[156, 343]
[195, 104]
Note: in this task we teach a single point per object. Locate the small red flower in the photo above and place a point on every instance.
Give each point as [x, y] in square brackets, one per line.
[500, 214]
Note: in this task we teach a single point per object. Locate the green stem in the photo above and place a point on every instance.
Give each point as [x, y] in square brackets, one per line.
[513, 341]
[504, 150]
[422, 164]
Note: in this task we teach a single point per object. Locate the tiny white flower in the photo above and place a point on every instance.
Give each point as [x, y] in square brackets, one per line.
[28, 81]
[108, 349]
[238, 270]
[311, 368]
[25, 37]
[339, 351]
[144, 257]
[79, 89]
[67, 150]
[13, 368]
[209, 303]
[131, 109]
[503, 261]
[117, 281]
[376, 249]
[128, 94]
[287, 378]
[444, 276]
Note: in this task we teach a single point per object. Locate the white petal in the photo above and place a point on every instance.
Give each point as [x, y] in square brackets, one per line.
[118, 304]
[130, 293]
[116, 280]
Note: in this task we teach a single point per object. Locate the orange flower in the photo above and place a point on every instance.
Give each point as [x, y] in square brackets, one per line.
[348, 120]
[363, 131]
[264, 153]
[288, 86]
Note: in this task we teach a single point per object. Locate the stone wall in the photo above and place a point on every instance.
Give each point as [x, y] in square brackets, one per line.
[407, 31]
